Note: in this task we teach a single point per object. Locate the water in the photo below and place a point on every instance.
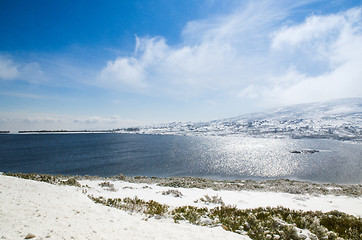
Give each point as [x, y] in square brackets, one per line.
[164, 156]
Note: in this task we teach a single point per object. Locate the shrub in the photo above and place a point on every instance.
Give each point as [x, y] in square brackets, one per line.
[155, 208]
[71, 182]
[108, 186]
[175, 193]
[189, 213]
[259, 223]
[213, 199]
[133, 205]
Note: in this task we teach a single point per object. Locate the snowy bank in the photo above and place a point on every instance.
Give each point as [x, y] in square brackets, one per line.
[30, 208]
[240, 199]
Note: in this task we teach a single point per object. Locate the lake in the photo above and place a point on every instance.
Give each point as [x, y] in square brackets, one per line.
[231, 157]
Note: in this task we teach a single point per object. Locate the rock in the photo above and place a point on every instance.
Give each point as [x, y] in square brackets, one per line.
[295, 151]
[304, 151]
[29, 236]
[158, 217]
[310, 151]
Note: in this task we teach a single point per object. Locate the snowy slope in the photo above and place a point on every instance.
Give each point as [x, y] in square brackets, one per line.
[339, 119]
[38, 210]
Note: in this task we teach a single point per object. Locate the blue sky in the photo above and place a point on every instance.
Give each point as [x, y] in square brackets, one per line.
[109, 64]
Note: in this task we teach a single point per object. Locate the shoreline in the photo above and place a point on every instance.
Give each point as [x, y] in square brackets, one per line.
[275, 185]
[268, 135]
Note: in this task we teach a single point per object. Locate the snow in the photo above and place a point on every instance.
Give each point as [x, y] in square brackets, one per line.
[339, 119]
[241, 199]
[63, 212]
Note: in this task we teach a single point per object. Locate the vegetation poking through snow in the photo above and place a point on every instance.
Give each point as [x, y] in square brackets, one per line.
[71, 182]
[108, 186]
[133, 205]
[52, 179]
[155, 208]
[278, 185]
[189, 213]
[283, 223]
[213, 199]
[173, 192]
[259, 223]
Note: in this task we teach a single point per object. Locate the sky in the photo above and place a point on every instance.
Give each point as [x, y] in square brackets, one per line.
[92, 64]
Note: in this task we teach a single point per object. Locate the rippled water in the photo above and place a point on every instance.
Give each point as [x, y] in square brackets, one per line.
[163, 156]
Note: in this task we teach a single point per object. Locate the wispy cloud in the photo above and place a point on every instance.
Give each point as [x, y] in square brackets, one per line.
[8, 70]
[216, 55]
[255, 52]
[23, 95]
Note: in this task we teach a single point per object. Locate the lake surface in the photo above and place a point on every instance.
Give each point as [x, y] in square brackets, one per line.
[164, 156]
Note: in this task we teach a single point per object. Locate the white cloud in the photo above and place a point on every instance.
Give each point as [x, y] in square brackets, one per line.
[216, 55]
[123, 71]
[343, 82]
[317, 28]
[333, 41]
[257, 53]
[8, 70]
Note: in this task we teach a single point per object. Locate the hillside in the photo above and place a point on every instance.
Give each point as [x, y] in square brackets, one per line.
[339, 119]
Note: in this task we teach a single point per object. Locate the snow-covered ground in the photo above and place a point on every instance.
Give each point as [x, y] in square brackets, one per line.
[65, 212]
[240, 199]
[37, 210]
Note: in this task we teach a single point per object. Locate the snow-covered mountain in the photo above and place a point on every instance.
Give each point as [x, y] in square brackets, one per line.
[339, 119]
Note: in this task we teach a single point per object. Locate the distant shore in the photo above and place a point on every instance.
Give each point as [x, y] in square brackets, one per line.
[68, 131]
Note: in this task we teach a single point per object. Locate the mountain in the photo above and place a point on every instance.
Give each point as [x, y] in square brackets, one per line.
[338, 119]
